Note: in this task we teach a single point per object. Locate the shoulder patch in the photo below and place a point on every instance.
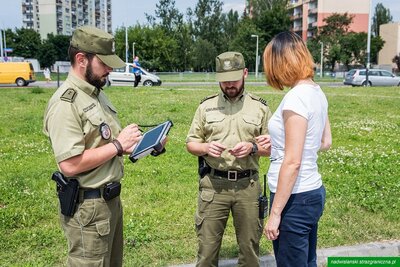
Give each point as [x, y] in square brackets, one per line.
[259, 99]
[69, 95]
[208, 97]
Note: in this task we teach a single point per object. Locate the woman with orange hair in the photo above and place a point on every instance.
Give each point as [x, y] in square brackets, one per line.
[299, 129]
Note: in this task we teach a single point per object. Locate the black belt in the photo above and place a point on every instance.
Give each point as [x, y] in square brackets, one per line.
[108, 192]
[92, 193]
[232, 175]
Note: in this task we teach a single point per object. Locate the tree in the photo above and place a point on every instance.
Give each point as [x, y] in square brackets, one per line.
[244, 43]
[381, 16]
[270, 16]
[204, 54]
[332, 35]
[170, 17]
[152, 44]
[46, 54]
[60, 45]
[207, 22]
[341, 45]
[26, 43]
[230, 24]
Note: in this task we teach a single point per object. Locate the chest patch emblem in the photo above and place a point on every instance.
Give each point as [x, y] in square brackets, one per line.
[105, 131]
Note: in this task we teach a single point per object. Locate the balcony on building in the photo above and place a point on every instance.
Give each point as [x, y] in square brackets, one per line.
[297, 28]
[313, 11]
[297, 16]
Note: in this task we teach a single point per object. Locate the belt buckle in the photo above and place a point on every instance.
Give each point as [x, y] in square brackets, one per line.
[232, 176]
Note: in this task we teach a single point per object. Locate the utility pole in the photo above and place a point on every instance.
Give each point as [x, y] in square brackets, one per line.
[1, 44]
[126, 45]
[322, 60]
[368, 43]
[254, 35]
[5, 44]
[133, 51]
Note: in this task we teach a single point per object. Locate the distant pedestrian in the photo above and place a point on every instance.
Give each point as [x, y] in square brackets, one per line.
[47, 73]
[137, 71]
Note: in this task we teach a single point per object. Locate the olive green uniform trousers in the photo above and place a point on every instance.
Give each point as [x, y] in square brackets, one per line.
[94, 233]
[217, 198]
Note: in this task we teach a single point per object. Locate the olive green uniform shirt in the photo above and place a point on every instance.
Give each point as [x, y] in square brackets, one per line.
[229, 123]
[72, 121]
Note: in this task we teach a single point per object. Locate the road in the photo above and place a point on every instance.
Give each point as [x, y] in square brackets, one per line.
[54, 84]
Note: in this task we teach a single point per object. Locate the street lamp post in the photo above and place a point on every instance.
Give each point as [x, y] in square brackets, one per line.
[1, 44]
[368, 44]
[133, 51]
[322, 60]
[254, 35]
[126, 45]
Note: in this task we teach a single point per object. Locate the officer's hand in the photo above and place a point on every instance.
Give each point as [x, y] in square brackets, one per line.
[264, 141]
[241, 150]
[215, 149]
[129, 137]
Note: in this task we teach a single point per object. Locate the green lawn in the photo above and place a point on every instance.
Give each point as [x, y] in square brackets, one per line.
[361, 174]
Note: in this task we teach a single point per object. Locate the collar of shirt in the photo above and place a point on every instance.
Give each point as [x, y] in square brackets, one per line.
[83, 85]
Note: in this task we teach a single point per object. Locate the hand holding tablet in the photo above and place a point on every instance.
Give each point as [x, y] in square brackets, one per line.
[152, 142]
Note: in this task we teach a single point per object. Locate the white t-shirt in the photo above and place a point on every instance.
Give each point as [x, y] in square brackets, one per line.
[309, 102]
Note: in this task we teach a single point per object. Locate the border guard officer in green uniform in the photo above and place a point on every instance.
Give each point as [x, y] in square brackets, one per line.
[88, 144]
[223, 135]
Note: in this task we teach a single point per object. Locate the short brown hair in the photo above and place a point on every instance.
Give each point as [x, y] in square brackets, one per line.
[72, 51]
[287, 60]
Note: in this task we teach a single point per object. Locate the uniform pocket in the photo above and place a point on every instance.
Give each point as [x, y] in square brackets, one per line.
[86, 212]
[252, 124]
[207, 196]
[251, 119]
[96, 242]
[215, 123]
[204, 200]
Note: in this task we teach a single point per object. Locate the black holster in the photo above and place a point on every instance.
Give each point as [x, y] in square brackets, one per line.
[203, 167]
[67, 192]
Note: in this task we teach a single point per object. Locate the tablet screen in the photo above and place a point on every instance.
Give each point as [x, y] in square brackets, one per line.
[151, 139]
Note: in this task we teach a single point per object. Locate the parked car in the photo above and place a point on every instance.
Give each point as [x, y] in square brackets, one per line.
[376, 77]
[126, 76]
[20, 73]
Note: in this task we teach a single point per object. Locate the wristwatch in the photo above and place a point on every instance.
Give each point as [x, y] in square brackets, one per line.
[254, 149]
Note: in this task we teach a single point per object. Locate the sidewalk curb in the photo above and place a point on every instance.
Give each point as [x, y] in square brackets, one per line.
[376, 249]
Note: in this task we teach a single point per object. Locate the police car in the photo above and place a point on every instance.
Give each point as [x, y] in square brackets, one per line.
[126, 76]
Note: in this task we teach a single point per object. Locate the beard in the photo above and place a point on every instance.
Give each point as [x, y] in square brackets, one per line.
[93, 79]
[232, 91]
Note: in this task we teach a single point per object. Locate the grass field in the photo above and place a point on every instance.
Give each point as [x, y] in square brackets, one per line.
[361, 174]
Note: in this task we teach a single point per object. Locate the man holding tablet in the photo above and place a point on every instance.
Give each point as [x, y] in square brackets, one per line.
[88, 143]
[223, 135]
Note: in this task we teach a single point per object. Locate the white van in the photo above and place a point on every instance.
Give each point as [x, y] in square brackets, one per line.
[126, 76]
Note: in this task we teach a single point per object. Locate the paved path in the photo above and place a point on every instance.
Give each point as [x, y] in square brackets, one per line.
[376, 249]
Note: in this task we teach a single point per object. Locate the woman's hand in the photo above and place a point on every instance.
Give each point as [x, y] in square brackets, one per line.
[271, 229]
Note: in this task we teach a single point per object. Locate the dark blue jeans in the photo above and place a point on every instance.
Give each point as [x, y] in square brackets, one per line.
[296, 245]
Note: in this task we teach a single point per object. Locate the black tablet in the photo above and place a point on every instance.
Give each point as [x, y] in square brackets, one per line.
[151, 141]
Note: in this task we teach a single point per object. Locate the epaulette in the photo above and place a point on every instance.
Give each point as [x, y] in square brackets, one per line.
[69, 95]
[208, 97]
[259, 99]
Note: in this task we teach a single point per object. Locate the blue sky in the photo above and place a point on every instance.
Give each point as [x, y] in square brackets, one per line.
[129, 12]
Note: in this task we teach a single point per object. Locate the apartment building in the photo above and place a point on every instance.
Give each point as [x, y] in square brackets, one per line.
[308, 15]
[63, 16]
[390, 33]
